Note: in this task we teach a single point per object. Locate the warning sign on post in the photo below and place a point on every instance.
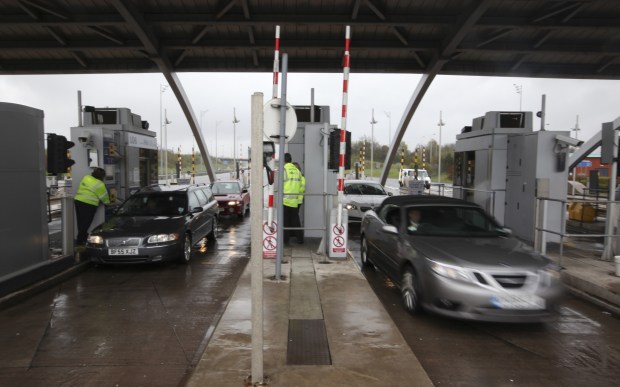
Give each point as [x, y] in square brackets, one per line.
[338, 235]
[270, 235]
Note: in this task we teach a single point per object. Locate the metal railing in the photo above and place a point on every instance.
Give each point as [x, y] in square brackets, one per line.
[541, 230]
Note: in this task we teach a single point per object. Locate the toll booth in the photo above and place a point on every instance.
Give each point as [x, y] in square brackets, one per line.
[502, 165]
[118, 141]
[306, 148]
[24, 237]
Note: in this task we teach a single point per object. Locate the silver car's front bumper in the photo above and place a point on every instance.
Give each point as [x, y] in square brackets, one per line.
[484, 299]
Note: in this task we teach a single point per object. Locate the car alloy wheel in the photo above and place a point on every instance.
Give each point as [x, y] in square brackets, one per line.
[364, 253]
[409, 292]
[187, 248]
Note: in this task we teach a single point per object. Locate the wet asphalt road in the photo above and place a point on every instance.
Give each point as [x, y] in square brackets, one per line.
[581, 348]
[124, 325]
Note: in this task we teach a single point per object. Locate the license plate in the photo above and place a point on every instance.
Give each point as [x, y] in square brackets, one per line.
[123, 251]
[231, 209]
[511, 301]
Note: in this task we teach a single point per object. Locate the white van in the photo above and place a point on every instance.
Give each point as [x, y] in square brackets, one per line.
[422, 175]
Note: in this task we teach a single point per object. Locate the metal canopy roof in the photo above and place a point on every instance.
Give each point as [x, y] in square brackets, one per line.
[532, 38]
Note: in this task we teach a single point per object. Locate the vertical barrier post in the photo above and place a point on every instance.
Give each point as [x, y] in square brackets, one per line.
[343, 129]
[256, 209]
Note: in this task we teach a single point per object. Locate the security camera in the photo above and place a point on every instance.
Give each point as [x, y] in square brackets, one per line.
[83, 139]
[565, 140]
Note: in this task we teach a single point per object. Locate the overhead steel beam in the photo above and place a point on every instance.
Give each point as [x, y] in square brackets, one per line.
[450, 44]
[136, 22]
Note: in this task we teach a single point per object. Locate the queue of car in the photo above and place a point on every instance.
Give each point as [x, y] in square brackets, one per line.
[163, 222]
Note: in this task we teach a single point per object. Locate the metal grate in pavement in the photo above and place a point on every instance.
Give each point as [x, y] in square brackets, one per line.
[307, 343]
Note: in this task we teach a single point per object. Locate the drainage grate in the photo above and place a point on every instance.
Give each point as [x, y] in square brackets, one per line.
[307, 343]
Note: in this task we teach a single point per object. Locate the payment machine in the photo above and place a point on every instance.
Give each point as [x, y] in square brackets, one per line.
[118, 141]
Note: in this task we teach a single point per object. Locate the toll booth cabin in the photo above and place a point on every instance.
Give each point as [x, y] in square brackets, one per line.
[502, 165]
[307, 148]
[118, 141]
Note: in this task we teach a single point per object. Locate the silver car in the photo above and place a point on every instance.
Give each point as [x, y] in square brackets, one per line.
[360, 196]
[449, 257]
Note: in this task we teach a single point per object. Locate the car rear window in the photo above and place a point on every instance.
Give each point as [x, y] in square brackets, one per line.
[221, 188]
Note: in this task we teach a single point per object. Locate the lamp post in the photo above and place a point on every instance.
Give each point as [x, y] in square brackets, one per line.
[389, 116]
[372, 142]
[202, 113]
[162, 88]
[166, 123]
[440, 124]
[519, 90]
[235, 122]
[576, 129]
[217, 123]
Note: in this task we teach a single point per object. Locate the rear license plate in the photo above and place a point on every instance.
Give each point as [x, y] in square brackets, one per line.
[511, 301]
[123, 251]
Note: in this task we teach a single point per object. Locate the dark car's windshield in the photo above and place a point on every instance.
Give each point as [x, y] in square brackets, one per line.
[222, 188]
[438, 220]
[155, 204]
[364, 189]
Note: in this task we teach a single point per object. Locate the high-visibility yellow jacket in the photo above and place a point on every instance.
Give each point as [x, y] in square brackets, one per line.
[292, 185]
[91, 191]
[302, 189]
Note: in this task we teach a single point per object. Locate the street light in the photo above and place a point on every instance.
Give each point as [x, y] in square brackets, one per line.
[519, 89]
[217, 123]
[389, 116]
[372, 142]
[235, 122]
[440, 124]
[576, 129]
[162, 88]
[166, 123]
[202, 113]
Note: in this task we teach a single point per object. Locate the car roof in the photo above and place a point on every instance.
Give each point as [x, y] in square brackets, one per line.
[227, 181]
[170, 188]
[406, 200]
[352, 181]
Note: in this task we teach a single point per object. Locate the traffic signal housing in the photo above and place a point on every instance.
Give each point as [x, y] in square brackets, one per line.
[57, 159]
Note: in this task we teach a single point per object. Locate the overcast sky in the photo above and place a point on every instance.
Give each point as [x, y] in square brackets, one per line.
[459, 98]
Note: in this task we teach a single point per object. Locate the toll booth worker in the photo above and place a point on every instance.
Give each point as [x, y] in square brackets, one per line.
[302, 188]
[300, 198]
[291, 189]
[90, 193]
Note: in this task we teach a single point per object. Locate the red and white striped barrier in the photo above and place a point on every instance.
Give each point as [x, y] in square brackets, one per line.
[343, 127]
[276, 69]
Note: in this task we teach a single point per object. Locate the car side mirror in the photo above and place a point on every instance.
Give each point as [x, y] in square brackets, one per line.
[390, 194]
[196, 210]
[244, 190]
[388, 228]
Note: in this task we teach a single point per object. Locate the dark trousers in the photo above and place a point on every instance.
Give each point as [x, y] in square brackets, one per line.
[291, 219]
[85, 213]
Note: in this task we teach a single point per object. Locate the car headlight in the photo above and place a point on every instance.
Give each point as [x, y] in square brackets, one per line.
[160, 238]
[449, 271]
[351, 206]
[233, 203]
[95, 239]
